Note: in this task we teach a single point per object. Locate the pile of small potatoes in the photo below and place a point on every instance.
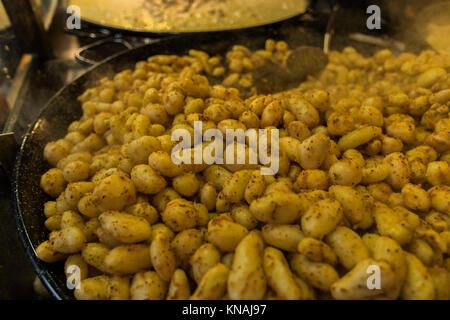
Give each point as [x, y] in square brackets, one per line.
[363, 182]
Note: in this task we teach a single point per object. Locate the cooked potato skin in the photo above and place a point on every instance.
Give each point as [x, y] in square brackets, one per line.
[125, 227]
[247, 280]
[53, 183]
[279, 276]
[224, 233]
[127, 259]
[114, 193]
[180, 214]
[322, 218]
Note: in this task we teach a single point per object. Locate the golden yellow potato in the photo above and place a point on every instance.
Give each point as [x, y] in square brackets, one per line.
[114, 193]
[53, 183]
[125, 227]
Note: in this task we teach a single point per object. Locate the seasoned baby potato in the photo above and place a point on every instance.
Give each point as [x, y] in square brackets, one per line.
[50, 209]
[144, 210]
[119, 288]
[127, 259]
[89, 229]
[53, 183]
[247, 280]
[345, 173]
[179, 286]
[357, 206]
[391, 224]
[75, 191]
[390, 145]
[339, 123]
[441, 281]
[125, 227]
[311, 179]
[375, 173]
[322, 218]
[68, 240]
[354, 156]
[186, 184]
[279, 276]
[291, 147]
[415, 198]
[277, 208]
[438, 221]
[95, 288]
[185, 244]
[76, 171]
[163, 257]
[146, 180]
[217, 175]
[390, 251]
[114, 193]
[418, 282]
[55, 151]
[227, 259]
[283, 236]
[427, 78]
[403, 130]
[272, 114]
[399, 170]
[422, 250]
[203, 259]
[317, 251]
[162, 163]
[87, 207]
[140, 149]
[94, 254]
[313, 151]
[180, 214]
[53, 223]
[224, 233]
[348, 246]
[106, 238]
[148, 286]
[160, 229]
[280, 185]
[308, 292]
[358, 137]
[242, 215]
[162, 198]
[317, 274]
[355, 284]
[208, 196]
[61, 204]
[203, 214]
[438, 172]
[298, 130]
[213, 285]
[71, 219]
[234, 187]
[303, 111]
[239, 160]
[76, 261]
[440, 198]
[47, 253]
[255, 187]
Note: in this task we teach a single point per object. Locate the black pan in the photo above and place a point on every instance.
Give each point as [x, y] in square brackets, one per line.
[64, 108]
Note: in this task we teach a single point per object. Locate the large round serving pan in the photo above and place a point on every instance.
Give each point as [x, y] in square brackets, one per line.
[64, 108]
[137, 16]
